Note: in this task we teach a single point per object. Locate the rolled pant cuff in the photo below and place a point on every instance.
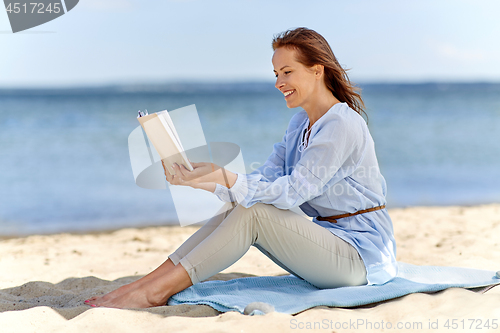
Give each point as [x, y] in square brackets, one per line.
[175, 258]
[190, 270]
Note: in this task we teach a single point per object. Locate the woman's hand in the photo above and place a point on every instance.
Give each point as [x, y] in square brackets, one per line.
[206, 172]
[202, 172]
[194, 178]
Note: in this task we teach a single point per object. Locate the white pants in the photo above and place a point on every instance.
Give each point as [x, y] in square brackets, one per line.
[293, 242]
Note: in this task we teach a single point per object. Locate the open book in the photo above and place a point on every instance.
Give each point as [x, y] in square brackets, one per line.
[161, 132]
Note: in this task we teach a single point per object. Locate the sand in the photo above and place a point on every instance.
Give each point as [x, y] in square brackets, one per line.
[45, 279]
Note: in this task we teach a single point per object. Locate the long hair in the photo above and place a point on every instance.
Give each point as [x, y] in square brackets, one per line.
[313, 49]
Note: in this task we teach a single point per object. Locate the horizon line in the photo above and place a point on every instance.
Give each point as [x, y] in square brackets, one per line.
[152, 84]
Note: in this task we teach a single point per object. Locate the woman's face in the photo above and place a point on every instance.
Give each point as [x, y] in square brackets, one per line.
[296, 81]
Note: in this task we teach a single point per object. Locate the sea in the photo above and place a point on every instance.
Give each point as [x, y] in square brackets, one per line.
[65, 165]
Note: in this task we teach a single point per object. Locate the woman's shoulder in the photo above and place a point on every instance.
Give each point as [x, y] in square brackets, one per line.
[341, 121]
[341, 112]
[340, 115]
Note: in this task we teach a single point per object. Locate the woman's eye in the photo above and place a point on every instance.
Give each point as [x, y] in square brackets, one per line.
[286, 73]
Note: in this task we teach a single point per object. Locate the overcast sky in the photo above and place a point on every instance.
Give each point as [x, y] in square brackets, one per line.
[124, 41]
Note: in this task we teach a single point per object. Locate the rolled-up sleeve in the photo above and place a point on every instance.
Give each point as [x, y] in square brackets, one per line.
[273, 168]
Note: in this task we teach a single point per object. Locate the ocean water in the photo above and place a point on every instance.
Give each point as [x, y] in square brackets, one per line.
[64, 163]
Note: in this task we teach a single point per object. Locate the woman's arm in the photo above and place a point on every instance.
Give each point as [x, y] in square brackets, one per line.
[204, 176]
[209, 173]
[333, 154]
[273, 168]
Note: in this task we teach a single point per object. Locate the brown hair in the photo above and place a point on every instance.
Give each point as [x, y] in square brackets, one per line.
[313, 49]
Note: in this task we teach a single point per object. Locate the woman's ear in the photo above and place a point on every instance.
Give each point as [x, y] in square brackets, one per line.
[318, 70]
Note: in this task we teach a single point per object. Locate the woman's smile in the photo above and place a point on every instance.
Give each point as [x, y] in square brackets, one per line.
[288, 93]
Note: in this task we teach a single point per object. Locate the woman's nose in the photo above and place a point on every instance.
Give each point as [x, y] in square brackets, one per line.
[279, 83]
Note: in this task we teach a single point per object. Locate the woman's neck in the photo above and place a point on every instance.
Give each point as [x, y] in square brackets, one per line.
[323, 101]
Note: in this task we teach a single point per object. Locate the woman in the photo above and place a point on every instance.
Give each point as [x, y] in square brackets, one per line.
[326, 165]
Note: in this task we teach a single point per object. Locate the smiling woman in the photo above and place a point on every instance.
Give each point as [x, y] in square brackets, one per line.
[325, 164]
[305, 51]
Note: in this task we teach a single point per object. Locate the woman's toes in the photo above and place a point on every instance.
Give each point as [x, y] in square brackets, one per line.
[90, 300]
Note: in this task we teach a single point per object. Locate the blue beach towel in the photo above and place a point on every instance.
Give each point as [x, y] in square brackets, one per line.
[289, 294]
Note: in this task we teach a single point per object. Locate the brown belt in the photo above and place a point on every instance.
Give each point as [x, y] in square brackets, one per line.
[334, 219]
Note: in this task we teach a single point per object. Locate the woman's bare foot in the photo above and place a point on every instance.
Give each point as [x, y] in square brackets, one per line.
[154, 292]
[161, 270]
[141, 297]
[115, 293]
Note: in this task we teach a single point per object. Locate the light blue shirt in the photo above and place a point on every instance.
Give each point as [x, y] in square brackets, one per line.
[337, 173]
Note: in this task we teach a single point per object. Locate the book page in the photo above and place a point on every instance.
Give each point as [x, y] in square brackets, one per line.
[169, 126]
[164, 141]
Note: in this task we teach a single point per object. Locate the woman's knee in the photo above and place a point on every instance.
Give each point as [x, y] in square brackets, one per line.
[251, 216]
[264, 210]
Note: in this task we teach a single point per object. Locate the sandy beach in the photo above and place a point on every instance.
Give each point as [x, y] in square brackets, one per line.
[45, 279]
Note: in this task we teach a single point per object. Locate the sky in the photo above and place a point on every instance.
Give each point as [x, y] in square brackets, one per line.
[131, 41]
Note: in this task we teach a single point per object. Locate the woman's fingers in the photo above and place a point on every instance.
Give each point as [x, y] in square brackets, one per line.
[209, 166]
[182, 176]
[185, 170]
[170, 178]
[182, 172]
[165, 169]
[203, 166]
[178, 178]
[197, 165]
[178, 171]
